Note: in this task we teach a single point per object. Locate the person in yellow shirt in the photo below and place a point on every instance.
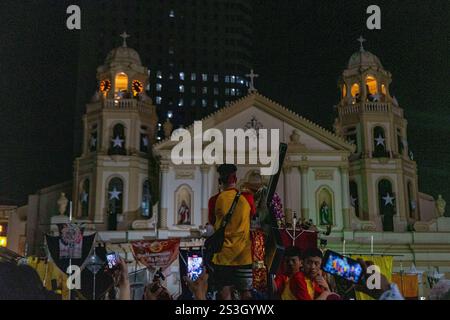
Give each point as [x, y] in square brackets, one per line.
[232, 266]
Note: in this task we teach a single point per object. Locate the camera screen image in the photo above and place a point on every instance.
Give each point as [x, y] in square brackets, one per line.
[195, 267]
[343, 267]
[112, 260]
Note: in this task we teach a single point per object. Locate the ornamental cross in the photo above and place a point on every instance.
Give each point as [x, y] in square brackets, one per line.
[252, 77]
[124, 36]
[361, 40]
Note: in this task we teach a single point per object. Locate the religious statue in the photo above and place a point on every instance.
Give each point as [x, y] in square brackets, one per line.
[184, 215]
[325, 214]
[62, 203]
[440, 206]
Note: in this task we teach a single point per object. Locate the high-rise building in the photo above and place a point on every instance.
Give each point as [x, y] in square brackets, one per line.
[198, 52]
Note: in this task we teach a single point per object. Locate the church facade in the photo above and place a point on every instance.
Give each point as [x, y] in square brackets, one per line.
[360, 179]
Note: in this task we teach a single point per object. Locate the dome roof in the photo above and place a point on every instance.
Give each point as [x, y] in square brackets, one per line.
[364, 58]
[123, 54]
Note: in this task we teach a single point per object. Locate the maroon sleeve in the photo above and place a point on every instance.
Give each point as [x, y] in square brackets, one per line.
[251, 201]
[280, 279]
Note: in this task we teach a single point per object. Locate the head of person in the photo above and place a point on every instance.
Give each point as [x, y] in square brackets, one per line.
[227, 175]
[292, 260]
[21, 282]
[254, 182]
[312, 261]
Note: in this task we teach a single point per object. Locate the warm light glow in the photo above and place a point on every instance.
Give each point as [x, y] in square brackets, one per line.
[383, 89]
[121, 82]
[371, 83]
[344, 91]
[355, 90]
[3, 242]
[1, 228]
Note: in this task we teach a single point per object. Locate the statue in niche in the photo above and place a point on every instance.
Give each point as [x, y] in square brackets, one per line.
[326, 217]
[62, 203]
[184, 214]
[440, 206]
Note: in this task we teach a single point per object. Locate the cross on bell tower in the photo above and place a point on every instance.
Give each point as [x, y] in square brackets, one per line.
[361, 40]
[124, 36]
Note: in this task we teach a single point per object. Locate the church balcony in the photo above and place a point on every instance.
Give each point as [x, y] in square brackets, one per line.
[370, 107]
[122, 104]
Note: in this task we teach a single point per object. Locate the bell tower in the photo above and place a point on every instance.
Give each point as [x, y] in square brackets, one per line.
[383, 177]
[111, 186]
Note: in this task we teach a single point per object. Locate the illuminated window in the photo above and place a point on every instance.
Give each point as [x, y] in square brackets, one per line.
[193, 76]
[216, 78]
[158, 100]
[383, 89]
[158, 87]
[355, 90]
[227, 79]
[204, 103]
[344, 91]
[159, 74]
[169, 114]
[121, 82]
[233, 79]
[146, 204]
[181, 88]
[371, 85]
[233, 92]
[3, 242]
[181, 102]
[204, 77]
[216, 104]
[172, 14]
[181, 75]
[227, 91]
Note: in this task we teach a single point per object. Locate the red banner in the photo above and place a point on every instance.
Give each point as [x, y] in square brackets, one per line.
[155, 254]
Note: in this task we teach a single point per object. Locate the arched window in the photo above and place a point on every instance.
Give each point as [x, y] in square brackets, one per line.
[146, 205]
[386, 203]
[344, 91]
[121, 84]
[84, 198]
[115, 201]
[371, 85]
[355, 90]
[118, 140]
[354, 198]
[411, 200]
[379, 142]
[93, 139]
[184, 205]
[144, 140]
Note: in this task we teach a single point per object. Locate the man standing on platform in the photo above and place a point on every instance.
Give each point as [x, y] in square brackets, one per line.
[233, 264]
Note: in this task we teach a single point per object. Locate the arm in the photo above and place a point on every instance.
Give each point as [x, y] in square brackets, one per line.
[124, 282]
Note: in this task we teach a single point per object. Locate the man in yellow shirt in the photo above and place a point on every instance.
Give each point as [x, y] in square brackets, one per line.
[233, 264]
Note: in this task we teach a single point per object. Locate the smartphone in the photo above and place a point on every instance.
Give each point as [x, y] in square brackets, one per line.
[112, 260]
[343, 267]
[195, 266]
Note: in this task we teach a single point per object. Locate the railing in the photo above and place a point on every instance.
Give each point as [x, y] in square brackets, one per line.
[370, 107]
[127, 104]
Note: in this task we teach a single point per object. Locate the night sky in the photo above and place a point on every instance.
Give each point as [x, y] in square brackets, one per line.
[300, 50]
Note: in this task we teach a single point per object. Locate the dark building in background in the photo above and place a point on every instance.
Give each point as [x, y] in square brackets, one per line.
[198, 52]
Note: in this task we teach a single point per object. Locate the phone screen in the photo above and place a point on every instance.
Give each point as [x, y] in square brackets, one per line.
[195, 267]
[113, 260]
[343, 267]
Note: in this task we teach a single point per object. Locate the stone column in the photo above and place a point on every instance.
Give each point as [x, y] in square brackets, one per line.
[345, 189]
[204, 170]
[164, 195]
[286, 189]
[304, 170]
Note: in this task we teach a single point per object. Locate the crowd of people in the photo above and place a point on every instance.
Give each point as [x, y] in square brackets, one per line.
[236, 271]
